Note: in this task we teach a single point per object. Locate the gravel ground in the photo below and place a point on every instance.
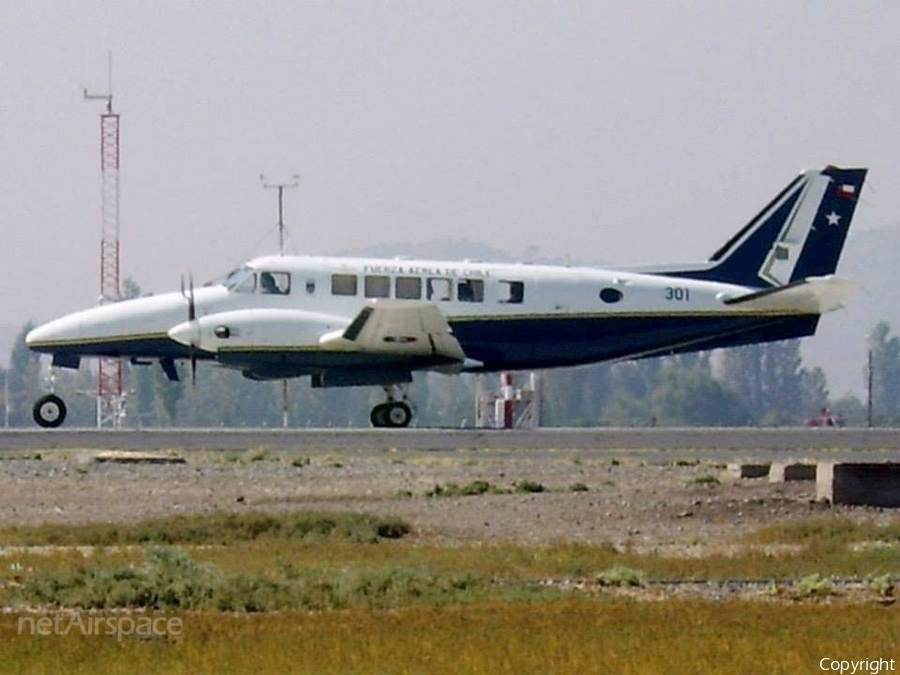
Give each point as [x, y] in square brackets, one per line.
[675, 508]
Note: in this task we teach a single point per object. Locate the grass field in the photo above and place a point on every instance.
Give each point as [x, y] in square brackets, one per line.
[349, 593]
[559, 636]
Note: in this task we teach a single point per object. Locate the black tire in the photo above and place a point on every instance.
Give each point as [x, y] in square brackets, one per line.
[49, 411]
[379, 417]
[398, 415]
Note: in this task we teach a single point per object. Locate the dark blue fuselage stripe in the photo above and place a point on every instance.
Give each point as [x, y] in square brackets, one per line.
[520, 343]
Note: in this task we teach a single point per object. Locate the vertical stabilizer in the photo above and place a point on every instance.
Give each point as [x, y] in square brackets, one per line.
[799, 234]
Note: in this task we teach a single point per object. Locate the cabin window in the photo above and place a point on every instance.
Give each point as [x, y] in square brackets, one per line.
[470, 290]
[274, 283]
[439, 289]
[610, 295]
[511, 292]
[377, 287]
[310, 286]
[408, 288]
[343, 284]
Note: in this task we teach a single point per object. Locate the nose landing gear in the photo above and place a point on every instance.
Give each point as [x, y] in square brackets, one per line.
[393, 413]
[49, 411]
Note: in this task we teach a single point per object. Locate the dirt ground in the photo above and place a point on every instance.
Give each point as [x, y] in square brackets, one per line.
[682, 507]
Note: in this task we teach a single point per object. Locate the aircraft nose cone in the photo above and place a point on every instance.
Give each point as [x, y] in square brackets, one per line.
[54, 334]
[35, 337]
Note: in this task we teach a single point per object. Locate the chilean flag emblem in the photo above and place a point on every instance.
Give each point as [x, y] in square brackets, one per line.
[848, 191]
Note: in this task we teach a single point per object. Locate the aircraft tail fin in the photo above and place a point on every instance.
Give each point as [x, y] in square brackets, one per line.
[799, 234]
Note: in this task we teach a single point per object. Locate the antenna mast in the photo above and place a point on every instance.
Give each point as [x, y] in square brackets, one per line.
[285, 408]
[280, 187]
[110, 403]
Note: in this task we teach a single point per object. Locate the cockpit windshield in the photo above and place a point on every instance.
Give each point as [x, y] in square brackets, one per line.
[234, 279]
[266, 282]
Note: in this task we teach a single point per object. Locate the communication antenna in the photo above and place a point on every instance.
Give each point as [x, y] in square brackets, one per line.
[110, 403]
[285, 408]
[281, 188]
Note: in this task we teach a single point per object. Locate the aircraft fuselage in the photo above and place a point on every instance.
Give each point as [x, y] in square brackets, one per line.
[505, 316]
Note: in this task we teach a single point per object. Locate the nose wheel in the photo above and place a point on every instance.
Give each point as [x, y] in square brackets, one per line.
[392, 413]
[49, 411]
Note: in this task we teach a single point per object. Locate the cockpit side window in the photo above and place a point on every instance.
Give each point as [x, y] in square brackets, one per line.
[274, 283]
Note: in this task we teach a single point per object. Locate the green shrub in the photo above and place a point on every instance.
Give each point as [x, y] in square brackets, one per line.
[883, 585]
[529, 486]
[619, 576]
[705, 479]
[815, 585]
[476, 487]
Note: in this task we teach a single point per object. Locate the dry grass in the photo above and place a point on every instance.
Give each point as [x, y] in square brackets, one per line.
[828, 533]
[213, 529]
[392, 605]
[269, 548]
[564, 636]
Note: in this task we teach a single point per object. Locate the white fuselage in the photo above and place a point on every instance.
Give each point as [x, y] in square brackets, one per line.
[331, 291]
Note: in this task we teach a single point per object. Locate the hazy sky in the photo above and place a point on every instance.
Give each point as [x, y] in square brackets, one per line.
[629, 132]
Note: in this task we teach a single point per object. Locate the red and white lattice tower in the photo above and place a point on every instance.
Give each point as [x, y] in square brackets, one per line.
[509, 407]
[110, 407]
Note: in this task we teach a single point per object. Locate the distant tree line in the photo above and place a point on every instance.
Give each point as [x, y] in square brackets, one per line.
[757, 385]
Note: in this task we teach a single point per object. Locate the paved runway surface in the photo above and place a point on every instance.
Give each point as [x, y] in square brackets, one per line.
[710, 442]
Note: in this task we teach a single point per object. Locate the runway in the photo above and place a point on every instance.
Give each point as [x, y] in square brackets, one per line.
[718, 442]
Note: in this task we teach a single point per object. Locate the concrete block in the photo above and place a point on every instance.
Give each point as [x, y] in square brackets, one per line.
[781, 472]
[759, 470]
[868, 484]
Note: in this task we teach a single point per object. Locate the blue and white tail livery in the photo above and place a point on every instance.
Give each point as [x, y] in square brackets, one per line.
[366, 321]
[799, 234]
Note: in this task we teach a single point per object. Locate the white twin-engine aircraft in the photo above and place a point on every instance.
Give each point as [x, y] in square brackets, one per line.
[349, 321]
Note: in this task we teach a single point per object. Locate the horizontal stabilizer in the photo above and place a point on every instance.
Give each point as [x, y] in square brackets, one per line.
[402, 329]
[814, 295]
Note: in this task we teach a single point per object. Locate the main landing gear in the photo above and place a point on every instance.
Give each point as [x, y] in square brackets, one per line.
[49, 411]
[392, 413]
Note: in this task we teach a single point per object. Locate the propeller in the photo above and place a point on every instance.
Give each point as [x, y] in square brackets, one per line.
[192, 317]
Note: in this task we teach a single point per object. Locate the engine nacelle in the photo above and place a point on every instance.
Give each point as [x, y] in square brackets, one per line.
[256, 329]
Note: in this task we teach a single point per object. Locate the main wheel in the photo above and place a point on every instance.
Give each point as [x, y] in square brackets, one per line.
[49, 411]
[398, 415]
[379, 415]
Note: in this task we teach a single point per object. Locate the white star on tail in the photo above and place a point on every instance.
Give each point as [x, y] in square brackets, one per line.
[833, 218]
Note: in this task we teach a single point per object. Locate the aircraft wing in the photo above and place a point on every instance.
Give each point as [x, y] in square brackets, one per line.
[813, 295]
[406, 330]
